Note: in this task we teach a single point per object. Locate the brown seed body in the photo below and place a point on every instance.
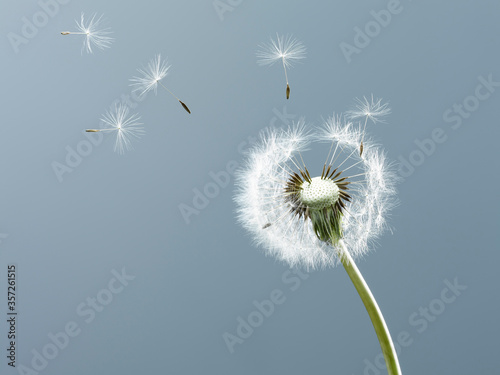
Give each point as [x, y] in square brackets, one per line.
[185, 107]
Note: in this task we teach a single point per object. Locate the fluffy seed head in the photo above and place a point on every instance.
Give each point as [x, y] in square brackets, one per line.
[372, 109]
[96, 35]
[300, 219]
[285, 48]
[151, 75]
[126, 127]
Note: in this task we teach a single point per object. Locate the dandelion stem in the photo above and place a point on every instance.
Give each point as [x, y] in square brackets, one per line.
[384, 337]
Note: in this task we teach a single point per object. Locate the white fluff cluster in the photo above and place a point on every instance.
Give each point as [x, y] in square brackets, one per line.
[95, 34]
[373, 109]
[125, 126]
[156, 70]
[285, 48]
[264, 211]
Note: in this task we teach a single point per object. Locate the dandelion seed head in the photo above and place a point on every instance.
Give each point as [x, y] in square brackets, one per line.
[150, 76]
[285, 48]
[125, 126]
[372, 109]
[96, 35]
[299, 218]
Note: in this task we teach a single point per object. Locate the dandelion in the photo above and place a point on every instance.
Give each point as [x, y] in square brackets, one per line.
[284, 48]
[324, 220]
[95, 34]
[117, 120]
[151, 76]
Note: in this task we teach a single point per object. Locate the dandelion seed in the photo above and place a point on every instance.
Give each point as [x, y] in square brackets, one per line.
[151, 76]
[95, 34]
[372, 109]
[285, 49]
[325, 220]
[126, 127]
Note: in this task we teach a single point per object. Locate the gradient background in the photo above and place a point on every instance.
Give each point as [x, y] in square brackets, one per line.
[193, 280]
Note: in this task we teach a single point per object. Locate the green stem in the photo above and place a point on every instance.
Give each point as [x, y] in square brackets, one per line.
[384, 337]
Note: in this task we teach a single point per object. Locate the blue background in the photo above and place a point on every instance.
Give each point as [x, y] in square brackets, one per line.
[194, 278]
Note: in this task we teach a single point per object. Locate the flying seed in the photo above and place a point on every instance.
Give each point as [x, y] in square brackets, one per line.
[125, 126]
[151, 76]
[94, 32]
[285, 49]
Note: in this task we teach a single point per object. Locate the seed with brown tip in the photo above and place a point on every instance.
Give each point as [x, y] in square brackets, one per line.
[185, 107]
[92, 130]
[361, 149]
[65, 33]
[287, 91]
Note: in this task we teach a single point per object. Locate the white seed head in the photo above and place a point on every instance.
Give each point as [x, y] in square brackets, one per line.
[96, 35]
[125, 126]
[150, 76]
[286, 49]
[319, 194]
[283, 226]
[372, 109]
